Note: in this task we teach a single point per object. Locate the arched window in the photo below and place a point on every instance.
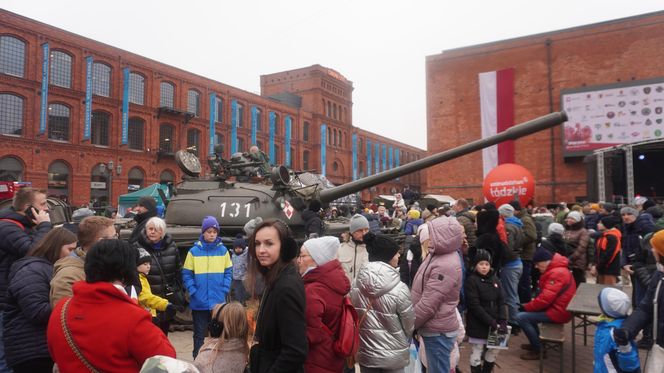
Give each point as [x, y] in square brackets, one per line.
[323, 105]
[61, 69]
[334, 109]
[101, 79]
[99, 184]
[360, 146]
[194, 102]
[11, 169]
[11, 114]
[99, 130]
[135, 179]
[305, 160]
[292, 157]
[335, 166]
[136, 88]
[135, 133]
[58, 180]
[166, 138]
[218, 138]
[240, 115]
[58, 122]
[12, 56]
[166, 177]
[259, 120]
[361, 169]
[334, 134]
[305, 132]
[194, 140]
[166, 94]
[219, 112]
[278, 157]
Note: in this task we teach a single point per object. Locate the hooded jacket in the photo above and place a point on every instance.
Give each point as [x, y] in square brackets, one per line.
[467, 220]
[352, 256]
[230, 358]
[557, 288]
[312, 223]
[529, 233]
[607, 251]
[207, 274]
[412, 224]
[607, 354]
[577, 237]
[66, 272]
[324, 289]
[388, 325]
[642, 316]
[438, 281]
[515, 239]
[631, 242]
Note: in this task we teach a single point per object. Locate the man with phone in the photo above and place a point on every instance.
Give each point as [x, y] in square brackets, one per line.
[22, 225]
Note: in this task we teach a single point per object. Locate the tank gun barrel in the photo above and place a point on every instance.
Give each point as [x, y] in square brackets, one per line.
[513, 133]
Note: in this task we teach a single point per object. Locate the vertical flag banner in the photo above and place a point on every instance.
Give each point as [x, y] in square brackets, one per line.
[288, 122]
[213, 119]
[497, 113]
[234, 115]
[376, 158]
[323, 141]
[273, 119]
[390, 154]
[355, 156]
[125, 106]
[44, 90]
[384, 157]
[254, 124]
[88, 97]
[368, 157]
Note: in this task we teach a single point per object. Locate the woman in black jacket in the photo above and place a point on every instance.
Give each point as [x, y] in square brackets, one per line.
[280, 341]
[165, 267]
[28, 308]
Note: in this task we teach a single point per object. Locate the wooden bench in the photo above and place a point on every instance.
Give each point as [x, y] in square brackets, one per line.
[552, 337]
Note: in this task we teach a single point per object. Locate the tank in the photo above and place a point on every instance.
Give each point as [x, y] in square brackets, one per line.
[240, 188]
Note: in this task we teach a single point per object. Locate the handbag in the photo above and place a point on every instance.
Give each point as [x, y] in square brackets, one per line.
[655, 358]
[352, 360]
[70, 339]
[174, 294]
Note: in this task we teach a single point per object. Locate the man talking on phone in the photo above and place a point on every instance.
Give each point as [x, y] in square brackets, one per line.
[22, 225]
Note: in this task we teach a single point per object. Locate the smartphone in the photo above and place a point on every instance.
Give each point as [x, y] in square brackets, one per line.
[29, 213]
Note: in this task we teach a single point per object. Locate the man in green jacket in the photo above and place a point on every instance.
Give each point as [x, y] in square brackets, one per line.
[529, 245]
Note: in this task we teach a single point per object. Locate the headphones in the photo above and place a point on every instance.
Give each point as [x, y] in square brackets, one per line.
[216, 327]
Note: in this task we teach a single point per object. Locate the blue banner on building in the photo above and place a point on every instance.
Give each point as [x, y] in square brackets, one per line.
[368, 157]
[254, 124]
[396, 158]
[288, 123]
[390, 155]
[376, 158]
[88, 97]
[234, 117]
[323, 142]
[354, 156]
[384, 157]
[273, 119]
[44, 90]
[125, 106]
[213, 119]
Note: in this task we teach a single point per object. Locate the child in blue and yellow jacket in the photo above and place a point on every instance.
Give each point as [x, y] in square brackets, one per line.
[207, 275]
[609, 357]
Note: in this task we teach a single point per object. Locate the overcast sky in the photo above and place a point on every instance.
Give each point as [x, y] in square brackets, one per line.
[379, 45]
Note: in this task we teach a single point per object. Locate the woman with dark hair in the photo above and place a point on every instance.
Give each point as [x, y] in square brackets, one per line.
[280, 340]
[100, 328]
[488, 237]
[27, 309]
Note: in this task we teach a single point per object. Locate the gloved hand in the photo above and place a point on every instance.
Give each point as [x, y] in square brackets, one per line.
[621, 337]
[502, 326]
[494, 325]
[170, 311]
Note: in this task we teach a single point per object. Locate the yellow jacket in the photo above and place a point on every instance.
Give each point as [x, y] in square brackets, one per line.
[148, 300]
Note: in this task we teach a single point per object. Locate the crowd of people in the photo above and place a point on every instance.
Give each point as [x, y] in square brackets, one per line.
[463, 273]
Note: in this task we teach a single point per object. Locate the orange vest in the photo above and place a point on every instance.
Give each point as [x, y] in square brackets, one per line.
[602, 241]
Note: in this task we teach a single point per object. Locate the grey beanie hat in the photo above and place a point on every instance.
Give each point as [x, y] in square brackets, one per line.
[323, 249]
[143, 256]
[251, 225]
[81, 214]
[556, 228]
[506, 210]
[575, 215]
[358, 222]
[629, 210]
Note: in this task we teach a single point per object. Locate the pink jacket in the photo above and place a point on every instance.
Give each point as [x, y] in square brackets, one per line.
[437, 284]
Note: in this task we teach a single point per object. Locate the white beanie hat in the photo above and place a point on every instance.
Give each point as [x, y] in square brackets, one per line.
[358, 222]
[575, 215]
[614, 303]
[506, 210]
[556, 228]
[322, 249]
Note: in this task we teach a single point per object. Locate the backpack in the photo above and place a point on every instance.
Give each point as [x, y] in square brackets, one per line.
[348, 341]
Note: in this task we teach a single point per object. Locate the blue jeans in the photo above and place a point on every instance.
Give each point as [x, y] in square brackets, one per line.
[509, 278]
[201, 321]
[525, 290]
[239, 292]
[3, 364]
[528, 322]
[438, 350]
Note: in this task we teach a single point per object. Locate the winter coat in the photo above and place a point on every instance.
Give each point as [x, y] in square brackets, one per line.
[239, 264]
[388, 325]
[17, 236]
[642, 316]
[631, 238]
[410, 263]
[281, 326]
[111, 331]
[152, 303]
[352, 256]
[412, 224]
[578, 238]
[230, 358]
[165, 267]
[557, 288]
[141, 220]
[606, 351]
[207, 274]
[515, 239]
[488, 238]
[437, 283]
[27, 311]
[467, 220]
[555, 243]
[312, 223]
[591, 221]
[530, 235]
[485, 303]
[324, 289]
[66, 271]
[542, 222]
[607, 252]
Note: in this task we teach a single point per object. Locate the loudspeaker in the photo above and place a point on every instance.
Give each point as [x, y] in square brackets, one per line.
[216, 327]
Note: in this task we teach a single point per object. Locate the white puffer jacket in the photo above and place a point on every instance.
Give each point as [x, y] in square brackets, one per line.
[387, 328]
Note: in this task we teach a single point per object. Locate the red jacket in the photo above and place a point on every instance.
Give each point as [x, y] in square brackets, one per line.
[325, 288]
[557, 290]
[112, 332]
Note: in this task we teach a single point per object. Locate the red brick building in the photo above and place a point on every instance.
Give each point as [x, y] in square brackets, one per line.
[63, 132]
[621, 50]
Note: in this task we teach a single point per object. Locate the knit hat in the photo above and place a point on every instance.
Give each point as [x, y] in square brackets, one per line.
[575, 215]
[516, 204]
[556, 228]
[251, 225]
[640, 200]
[81, 214]
[413, 214]
[322, 249]
[239, 241]
[358, 222]
[608, 206]
[506, 210]
[648, 204]
[610, 221]
[614, 303]
[148, 202]
[629, 210]
[657, 242]
[542, 255]
[481, 255]
[423, 232]
[380, 248]
[143, 256]
[594, 206]
[209, 222]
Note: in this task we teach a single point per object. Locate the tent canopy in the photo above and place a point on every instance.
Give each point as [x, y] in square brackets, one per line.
[131, 199]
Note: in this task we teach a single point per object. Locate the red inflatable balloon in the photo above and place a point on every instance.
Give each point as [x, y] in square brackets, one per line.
[507, 180]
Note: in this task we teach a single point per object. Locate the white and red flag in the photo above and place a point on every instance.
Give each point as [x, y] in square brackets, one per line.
[497, 109]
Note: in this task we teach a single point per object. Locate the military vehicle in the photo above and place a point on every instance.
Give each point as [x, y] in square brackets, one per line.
[239, 190]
